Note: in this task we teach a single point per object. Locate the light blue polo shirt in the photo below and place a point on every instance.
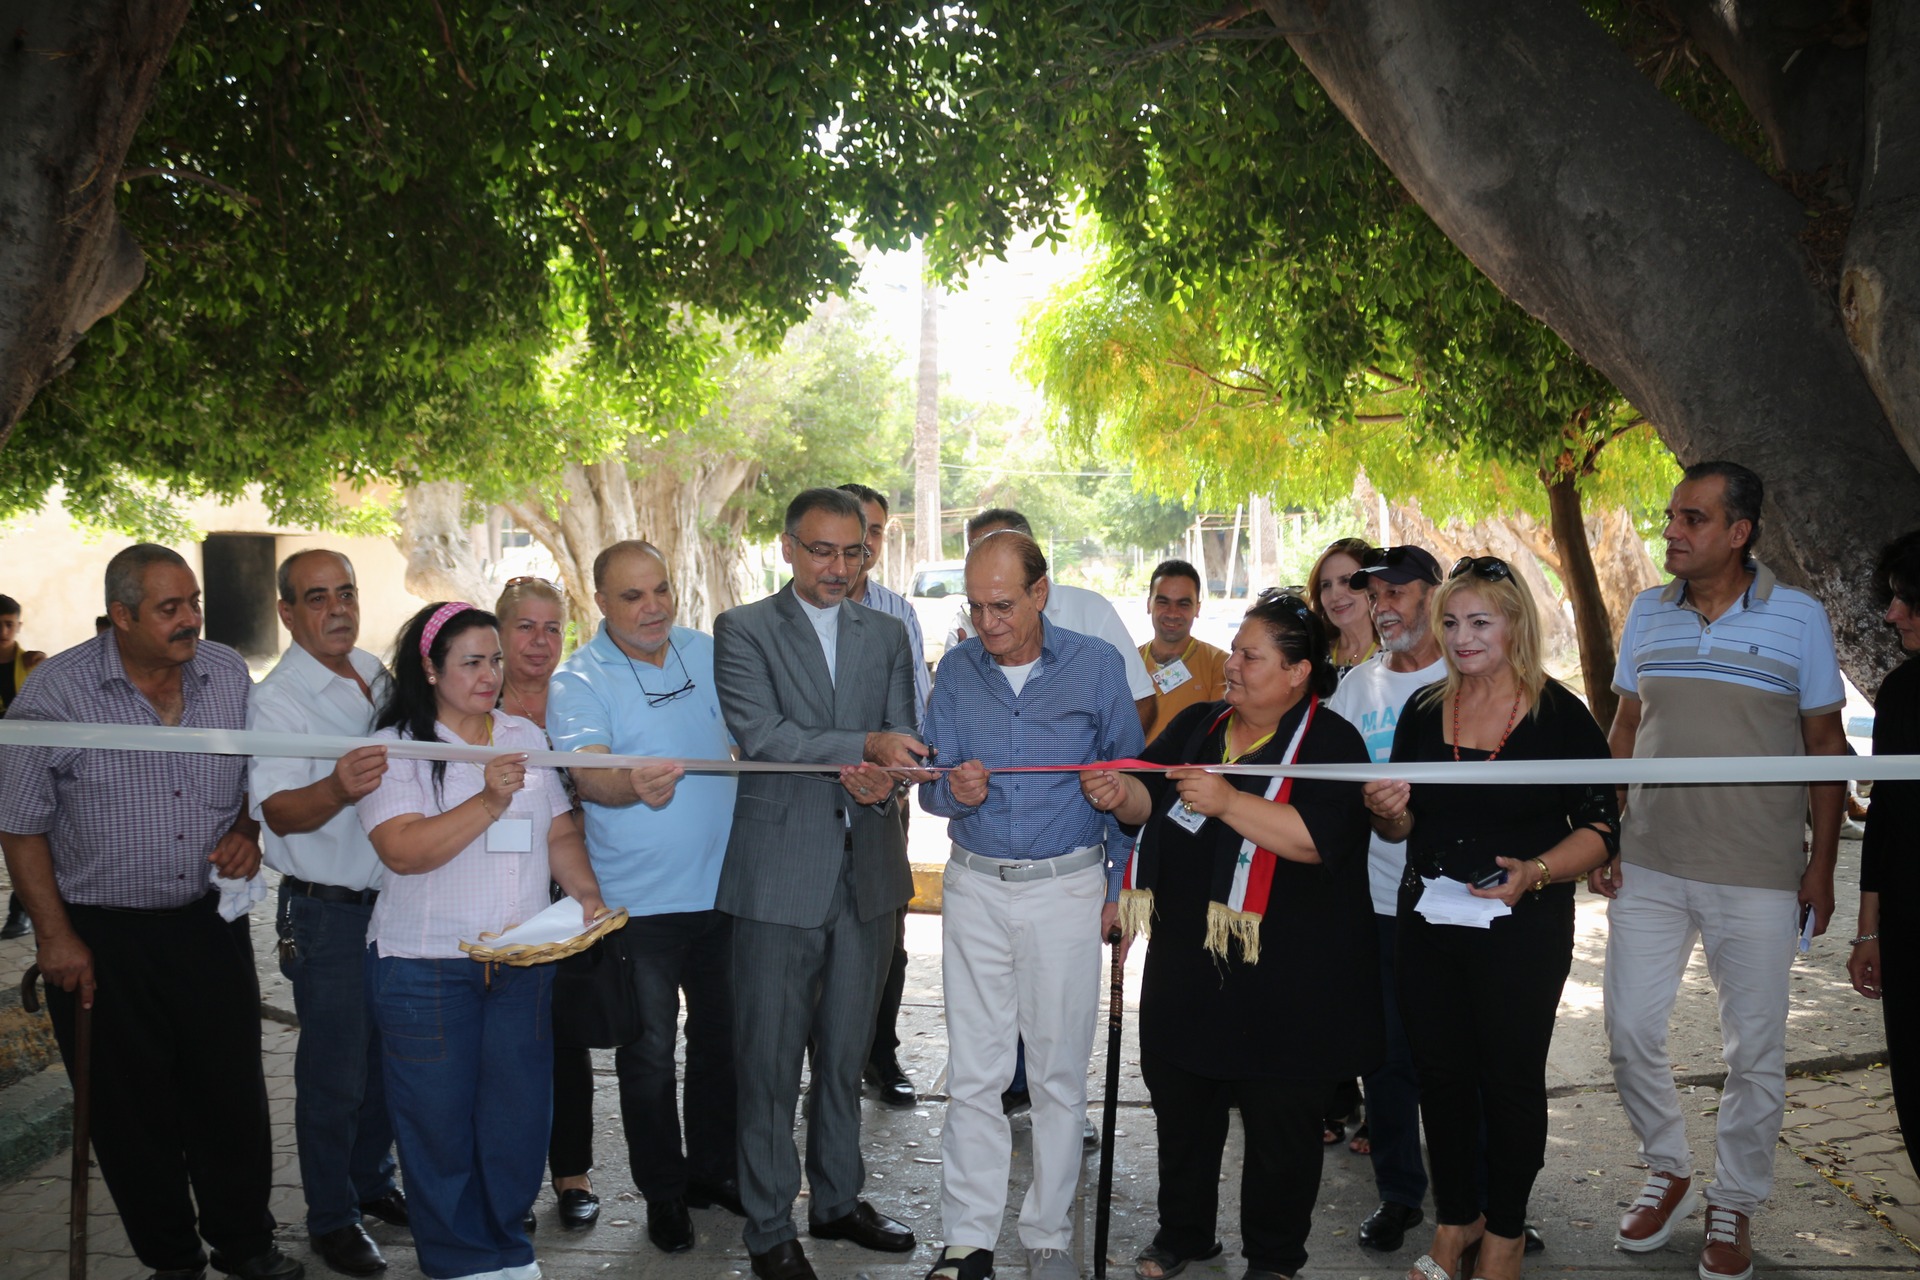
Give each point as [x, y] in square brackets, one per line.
[650, 861]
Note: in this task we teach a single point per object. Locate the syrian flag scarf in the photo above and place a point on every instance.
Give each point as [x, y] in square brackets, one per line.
[1242, 873]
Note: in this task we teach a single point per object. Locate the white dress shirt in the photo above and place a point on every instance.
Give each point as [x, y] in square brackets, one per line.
[826, 622]
[301, 696]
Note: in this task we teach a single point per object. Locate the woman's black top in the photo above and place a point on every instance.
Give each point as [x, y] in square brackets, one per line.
[1310, 1009]
[1459, 828]
[1889, 862]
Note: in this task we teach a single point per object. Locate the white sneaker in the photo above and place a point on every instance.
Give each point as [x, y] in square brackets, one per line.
[1051, 1264]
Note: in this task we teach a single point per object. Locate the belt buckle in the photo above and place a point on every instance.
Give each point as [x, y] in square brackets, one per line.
[1001, 871]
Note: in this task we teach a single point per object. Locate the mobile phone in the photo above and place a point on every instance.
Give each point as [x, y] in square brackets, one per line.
[1806, 929]
[1491, 878]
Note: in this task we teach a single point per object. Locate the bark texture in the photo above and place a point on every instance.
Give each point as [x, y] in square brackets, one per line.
[76, 77]
[1663, 256]
[435, 536]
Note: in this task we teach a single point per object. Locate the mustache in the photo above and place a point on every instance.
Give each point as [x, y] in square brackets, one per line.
[184, 633]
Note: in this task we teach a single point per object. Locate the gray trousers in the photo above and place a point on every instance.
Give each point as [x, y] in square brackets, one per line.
[795, 988]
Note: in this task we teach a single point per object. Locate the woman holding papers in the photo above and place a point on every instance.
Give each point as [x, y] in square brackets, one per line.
[1486, 909]
[1889, 870]
[469, 849]
[1256, 987]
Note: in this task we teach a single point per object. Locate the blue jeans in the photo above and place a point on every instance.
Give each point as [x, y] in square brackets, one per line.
[469, 1069]
[1393, 1092]
[340, 1100]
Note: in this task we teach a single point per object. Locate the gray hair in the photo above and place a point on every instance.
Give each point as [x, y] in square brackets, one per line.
[284, 579]
[1742, 495]
[127, 573]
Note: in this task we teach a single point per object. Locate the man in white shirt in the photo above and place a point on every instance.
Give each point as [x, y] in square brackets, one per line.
[330, 878]
[1075, 608]
[1370, 698]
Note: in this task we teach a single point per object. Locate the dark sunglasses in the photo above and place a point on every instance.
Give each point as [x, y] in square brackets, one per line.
[1292, 599]
[1487, 568]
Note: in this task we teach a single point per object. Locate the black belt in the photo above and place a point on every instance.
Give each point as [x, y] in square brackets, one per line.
[331, 892]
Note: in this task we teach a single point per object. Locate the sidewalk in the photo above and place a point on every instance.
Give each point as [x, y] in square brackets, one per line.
[1845, 1199]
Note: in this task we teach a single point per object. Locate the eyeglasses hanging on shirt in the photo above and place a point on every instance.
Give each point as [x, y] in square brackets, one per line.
[662, 698]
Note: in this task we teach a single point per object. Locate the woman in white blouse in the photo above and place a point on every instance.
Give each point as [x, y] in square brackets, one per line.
[470, 850]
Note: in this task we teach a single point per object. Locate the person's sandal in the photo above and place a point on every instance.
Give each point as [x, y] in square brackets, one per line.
[1425, 1268]
[1361, 1144]
[963, 1264]
[1170, 1263]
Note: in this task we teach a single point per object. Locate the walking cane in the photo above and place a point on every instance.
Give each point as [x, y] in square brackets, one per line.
[82, 1137]
[1104, 1204]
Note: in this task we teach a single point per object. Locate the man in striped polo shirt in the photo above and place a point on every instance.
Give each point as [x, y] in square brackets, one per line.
[1723, 660]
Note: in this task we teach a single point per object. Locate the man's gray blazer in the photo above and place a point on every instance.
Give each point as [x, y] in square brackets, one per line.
[789, 829]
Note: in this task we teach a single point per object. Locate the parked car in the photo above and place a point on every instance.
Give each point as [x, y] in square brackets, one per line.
[938, 594]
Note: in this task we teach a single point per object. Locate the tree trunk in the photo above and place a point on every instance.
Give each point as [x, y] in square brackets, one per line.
[75, 80]
[1233, 552]
[1591, 628]
[926, 429]
[1660, 254]
[434, 538]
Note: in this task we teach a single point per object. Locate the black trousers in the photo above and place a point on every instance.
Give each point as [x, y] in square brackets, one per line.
[179, 1098]
[1479, 1008]
[1900, 1005]
[690, 951]
[570, 1148]
[1279, 1175]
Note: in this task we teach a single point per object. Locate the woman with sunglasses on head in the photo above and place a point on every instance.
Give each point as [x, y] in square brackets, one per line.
[1261, 979]
[469, 849]
[1479, 1003]
[1343, 607]
[533, 627]
[1887, 939]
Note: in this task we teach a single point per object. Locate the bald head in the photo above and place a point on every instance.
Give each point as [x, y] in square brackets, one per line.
[635, 596]
[1006, 593]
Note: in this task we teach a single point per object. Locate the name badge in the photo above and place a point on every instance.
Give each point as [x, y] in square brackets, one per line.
[1171, 676]
[1190, 819]
[510, 835]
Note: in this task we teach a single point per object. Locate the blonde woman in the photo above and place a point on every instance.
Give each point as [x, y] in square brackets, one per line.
[1479, 1004]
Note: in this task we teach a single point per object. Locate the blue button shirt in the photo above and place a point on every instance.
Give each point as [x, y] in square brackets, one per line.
[650, 861]
[1075, 709]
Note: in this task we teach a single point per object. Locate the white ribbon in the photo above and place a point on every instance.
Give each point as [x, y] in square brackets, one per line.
[1687, 770]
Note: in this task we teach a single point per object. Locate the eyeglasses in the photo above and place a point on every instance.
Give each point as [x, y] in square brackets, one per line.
[1292, 599]
[1486, 568]
[1000, 609]
[662, 699]
[827, 553]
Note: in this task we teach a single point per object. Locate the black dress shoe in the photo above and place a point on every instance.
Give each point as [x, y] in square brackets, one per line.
[1386, 1227]
[669, 1225]
[532, 1223]
[181, 1273]
[785, 1261]
[867, 1228]
[390, 1208]
[579, 1207]
[350, 1251]
[1536, 1243]
[19, 925]
[271, 1265]
[716, 1195]
[890, 1083]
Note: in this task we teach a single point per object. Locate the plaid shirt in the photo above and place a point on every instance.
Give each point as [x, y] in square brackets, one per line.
[127, 828]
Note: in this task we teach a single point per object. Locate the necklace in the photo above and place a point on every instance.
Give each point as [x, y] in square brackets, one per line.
[525, 711]
[1512, 716]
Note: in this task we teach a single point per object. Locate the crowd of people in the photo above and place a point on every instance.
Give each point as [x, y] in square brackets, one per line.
[1301, 934]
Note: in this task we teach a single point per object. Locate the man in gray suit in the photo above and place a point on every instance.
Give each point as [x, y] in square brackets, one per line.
[815, 872]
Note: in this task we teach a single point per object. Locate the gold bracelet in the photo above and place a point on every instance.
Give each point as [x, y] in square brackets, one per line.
[1546, 876]
[481, 796]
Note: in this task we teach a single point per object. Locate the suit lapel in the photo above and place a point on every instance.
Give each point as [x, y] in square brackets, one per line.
[849, 660]
[805, 641]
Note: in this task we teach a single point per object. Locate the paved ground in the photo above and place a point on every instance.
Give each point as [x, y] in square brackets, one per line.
[1845, 1201]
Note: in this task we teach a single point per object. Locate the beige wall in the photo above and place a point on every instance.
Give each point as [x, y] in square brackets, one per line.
[56, 571]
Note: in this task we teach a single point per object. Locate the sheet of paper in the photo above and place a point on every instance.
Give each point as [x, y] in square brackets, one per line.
[557, 923]
[1452, 902]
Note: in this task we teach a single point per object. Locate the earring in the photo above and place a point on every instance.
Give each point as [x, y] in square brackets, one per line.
[433, 679]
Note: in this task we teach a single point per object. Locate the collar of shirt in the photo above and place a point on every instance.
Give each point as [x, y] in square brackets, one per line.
[826, 624]
[1051, 649]
[193, 672]
[314, 676]
[1761, 589]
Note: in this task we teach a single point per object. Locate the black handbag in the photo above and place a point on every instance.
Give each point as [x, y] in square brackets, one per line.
[594, 1005]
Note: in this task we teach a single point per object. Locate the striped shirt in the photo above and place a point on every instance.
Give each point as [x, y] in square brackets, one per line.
[127, 828]
[895, 605]
[1738, 685]
[1075, 708]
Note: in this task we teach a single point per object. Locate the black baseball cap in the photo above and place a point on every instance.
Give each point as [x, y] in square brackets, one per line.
[1398, 564]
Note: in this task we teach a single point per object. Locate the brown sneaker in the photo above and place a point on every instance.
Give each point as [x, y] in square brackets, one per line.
[1728, 1254]
[1663, 1201]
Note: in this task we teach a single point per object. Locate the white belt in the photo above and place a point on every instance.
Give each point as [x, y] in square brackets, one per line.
[1015, 870]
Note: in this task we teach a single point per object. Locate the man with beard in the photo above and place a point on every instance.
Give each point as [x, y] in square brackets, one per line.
[114, 853]
[1371, 698]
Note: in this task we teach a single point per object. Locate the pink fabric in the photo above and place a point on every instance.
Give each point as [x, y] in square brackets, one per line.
[437, 621]
[427, 916]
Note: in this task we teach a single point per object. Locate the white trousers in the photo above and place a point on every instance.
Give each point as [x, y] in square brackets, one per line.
[1020, 961]
[1749, 939]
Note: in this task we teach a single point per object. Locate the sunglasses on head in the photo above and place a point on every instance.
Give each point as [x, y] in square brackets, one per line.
[1292, 599]
[1488, 568]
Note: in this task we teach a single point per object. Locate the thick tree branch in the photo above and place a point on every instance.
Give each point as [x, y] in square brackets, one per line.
[188, 175]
